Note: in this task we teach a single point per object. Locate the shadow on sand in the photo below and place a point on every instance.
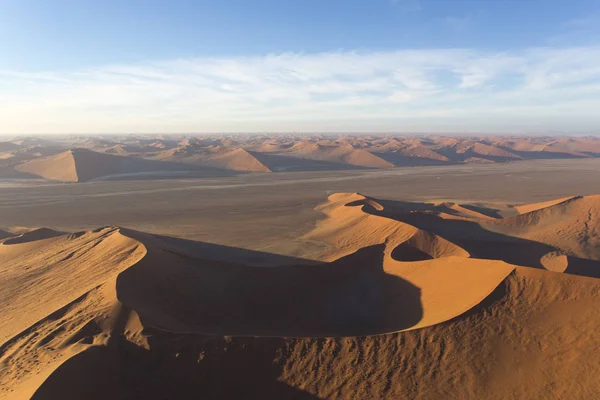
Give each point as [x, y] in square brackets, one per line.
[475, 239]
[175, 367]
[352, 296]
[208, 300]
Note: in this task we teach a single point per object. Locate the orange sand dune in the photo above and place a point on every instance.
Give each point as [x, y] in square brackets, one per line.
[82, 165]
[274, 153]
[339, 154]
[236, 159]
[526, 208]
[401, 154]
[428, 299]
[74, 304]
[32, 235]
[50, 289]
[570, 225]
[531, 338]
[560, 237]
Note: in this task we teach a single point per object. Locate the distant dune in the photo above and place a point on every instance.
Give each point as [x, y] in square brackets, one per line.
[82, 165]
[236, 159]
[427, 298]
[54, 160]
[345, 154]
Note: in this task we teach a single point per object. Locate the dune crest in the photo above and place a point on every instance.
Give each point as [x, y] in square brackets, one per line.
[570, 225]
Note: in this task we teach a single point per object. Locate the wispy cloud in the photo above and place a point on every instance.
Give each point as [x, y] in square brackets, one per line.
[307, 91]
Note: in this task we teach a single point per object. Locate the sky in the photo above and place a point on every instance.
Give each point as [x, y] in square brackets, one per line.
[133, 66]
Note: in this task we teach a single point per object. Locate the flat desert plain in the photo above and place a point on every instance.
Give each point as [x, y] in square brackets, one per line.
[469, 280]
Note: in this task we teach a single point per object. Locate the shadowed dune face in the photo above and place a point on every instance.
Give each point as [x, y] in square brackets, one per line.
[350, 296]
[558, 236]
[176, 367]
[532, 339]
[36, 234]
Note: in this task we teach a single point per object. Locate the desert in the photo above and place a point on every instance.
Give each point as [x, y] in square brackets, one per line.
[363, 280]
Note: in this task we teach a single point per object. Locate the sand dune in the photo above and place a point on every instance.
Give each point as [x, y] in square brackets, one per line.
[346, 154]
[422, 295]
[33, 235]
[570, 225]
[82, 165]
[462, 150]
[275, 153]
[415, 154]
[221, 157]
[51, 290]
[526, 208]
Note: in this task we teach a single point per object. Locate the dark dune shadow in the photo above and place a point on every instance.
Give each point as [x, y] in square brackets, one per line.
[498, 159]
[163, 170]
[490, 212]
[591, 154]
[479, 242]
[401, 160]
[167, 175]
[582, 266]
[8, 171]
[34, 235]
[406, 252]
[277, 163]
[348, 297]
[216, 252]
[175, 367]
[541, 155]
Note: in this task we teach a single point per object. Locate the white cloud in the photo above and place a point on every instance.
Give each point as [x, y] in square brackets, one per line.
[291, 91]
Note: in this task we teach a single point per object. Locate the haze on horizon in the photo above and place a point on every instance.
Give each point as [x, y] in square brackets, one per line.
[334, 66]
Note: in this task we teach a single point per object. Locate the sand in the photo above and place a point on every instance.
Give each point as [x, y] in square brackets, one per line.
[81, 165]
[80, 158]
[412, 300]
[236, 159]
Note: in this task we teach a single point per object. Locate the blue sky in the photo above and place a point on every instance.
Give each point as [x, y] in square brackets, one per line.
[303, 65]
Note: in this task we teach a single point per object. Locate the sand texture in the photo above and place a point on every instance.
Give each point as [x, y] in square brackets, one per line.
[420, 300]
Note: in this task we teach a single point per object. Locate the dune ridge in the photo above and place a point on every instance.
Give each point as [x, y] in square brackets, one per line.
[114, 309]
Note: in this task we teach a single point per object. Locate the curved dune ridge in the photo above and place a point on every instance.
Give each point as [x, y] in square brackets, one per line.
[106, 313]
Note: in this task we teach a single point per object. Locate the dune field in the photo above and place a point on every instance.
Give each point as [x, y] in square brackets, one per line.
[85, 158]
[405, 299]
